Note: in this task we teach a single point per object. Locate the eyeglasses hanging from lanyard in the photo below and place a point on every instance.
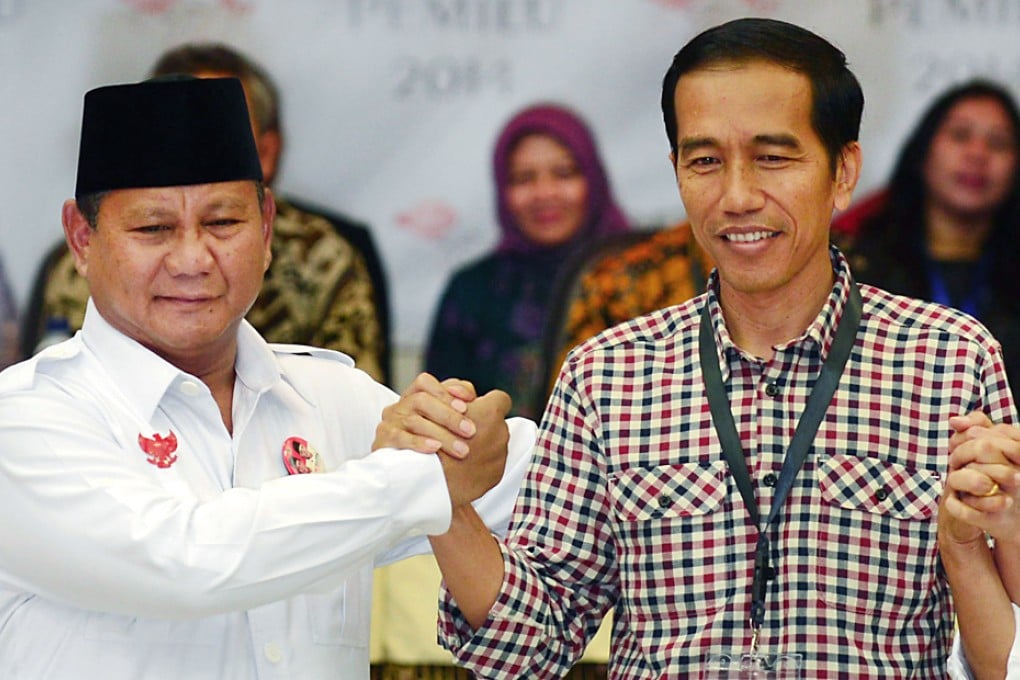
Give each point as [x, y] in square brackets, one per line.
[796, 454]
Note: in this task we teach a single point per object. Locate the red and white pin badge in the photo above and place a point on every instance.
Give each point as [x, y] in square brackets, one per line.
[159, 450]
[299, 458]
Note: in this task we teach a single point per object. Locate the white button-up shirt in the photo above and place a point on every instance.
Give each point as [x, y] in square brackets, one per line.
[141, 539]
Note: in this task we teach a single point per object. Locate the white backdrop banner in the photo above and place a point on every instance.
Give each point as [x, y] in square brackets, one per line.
[391, 107]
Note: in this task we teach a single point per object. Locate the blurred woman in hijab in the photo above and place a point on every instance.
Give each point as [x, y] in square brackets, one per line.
[553, 196]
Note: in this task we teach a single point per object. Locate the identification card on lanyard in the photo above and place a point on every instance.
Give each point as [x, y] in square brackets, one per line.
[755, 664]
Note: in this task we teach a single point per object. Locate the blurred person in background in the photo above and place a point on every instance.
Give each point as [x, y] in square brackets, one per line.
[946, 228]
[553, 196]
[618, 279]
[8, 322]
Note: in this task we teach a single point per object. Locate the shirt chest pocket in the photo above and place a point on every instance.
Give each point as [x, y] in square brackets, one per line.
[668, 491]
[674, 545]
[342, 617]
[876, 539]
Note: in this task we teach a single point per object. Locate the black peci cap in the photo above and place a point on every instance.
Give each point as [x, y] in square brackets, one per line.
[166, 131]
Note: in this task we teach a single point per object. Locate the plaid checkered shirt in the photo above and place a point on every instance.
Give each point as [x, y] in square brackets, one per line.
[629, 503]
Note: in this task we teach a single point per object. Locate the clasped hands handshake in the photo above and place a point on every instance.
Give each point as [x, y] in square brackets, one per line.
[982, 489]
[467, 432]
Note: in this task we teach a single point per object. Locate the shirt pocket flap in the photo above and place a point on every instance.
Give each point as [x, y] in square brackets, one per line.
[665, 491]
[879, 486]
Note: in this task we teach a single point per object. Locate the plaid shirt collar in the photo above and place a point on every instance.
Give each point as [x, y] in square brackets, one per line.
[820, 333]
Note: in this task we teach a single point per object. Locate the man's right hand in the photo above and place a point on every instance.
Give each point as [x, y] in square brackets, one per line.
[442, 417]
[470, 477]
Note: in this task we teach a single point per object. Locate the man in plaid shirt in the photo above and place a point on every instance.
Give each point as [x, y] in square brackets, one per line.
[629, 502]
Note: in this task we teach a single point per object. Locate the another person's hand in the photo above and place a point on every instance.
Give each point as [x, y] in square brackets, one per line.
[470, 477]
[429, 417]
[982, 488]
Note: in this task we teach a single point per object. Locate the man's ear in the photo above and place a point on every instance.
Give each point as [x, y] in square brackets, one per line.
[848, 171]
[269, 144]
[78, 233]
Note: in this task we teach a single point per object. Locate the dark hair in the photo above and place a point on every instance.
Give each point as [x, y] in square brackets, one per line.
[837, 99]
[89, 204]
[898, 230]
[192, 58]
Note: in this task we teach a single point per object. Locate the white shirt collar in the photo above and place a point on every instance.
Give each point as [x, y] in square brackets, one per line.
[144, 377]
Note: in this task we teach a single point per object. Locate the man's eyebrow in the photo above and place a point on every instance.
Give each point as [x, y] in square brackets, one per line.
[690, 144]
[230, 203]
[779, 139]
[148, 212]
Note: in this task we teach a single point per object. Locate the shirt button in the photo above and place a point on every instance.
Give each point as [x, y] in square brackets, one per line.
[665, 501]
[769, 479]
[881, 494]
[772, 390]
[190, 388]
[273, 652]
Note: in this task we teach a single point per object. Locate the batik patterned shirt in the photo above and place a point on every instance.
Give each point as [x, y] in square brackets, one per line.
[629, 503]
[665, 269]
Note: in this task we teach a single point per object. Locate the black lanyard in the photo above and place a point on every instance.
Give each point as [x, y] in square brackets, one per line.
[722, 418]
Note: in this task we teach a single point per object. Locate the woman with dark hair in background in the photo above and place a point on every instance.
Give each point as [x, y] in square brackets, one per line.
[947, 227]
[553, 196]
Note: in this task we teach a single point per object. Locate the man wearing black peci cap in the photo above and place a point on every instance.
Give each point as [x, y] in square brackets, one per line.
[325, 286]
[179, 498]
